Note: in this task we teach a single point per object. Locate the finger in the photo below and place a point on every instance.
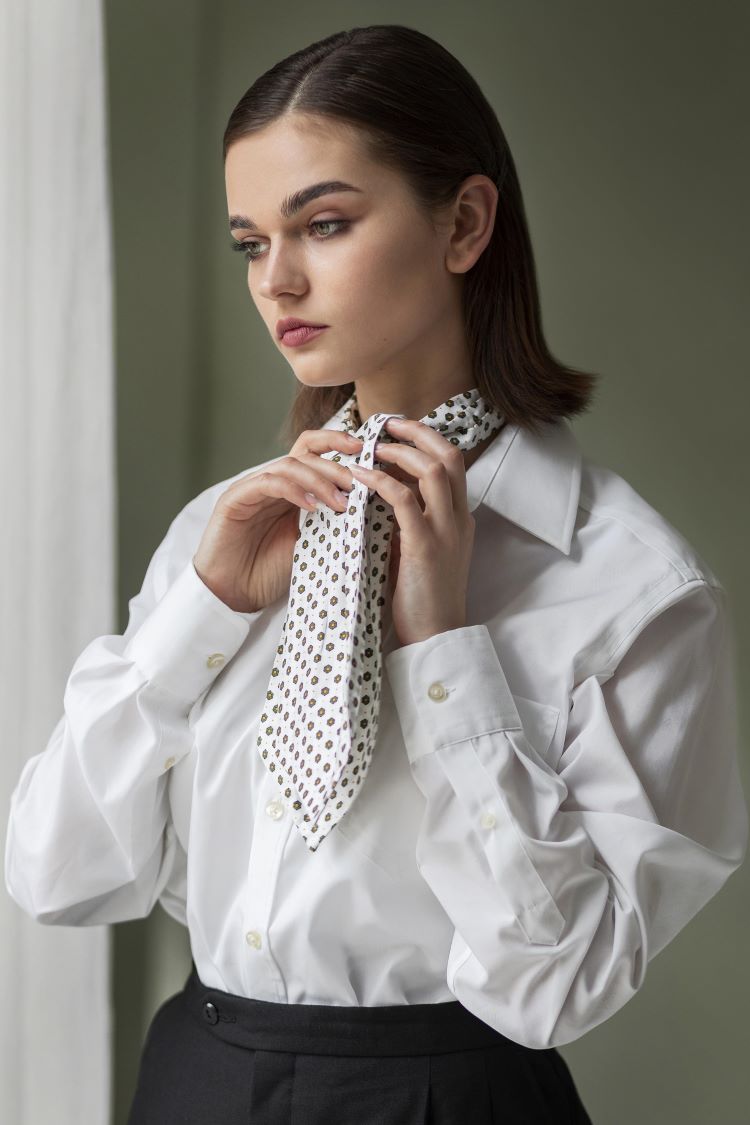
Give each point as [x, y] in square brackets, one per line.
[333, 470]
[397, 472]
[405, 506]
[302, 480]
[241, 498]
[444, 491]
[321, 449]
[325, 441]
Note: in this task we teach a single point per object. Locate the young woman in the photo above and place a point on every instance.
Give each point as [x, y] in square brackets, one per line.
[425, 728]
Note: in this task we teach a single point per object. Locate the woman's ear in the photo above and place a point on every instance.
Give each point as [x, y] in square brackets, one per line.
[473, 221]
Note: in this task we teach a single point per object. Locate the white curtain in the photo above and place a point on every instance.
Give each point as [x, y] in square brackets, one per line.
[57, 510]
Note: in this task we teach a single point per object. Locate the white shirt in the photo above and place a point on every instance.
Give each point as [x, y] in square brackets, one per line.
[553, 795]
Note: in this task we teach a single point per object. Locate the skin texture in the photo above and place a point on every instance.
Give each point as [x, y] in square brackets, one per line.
[388, 284]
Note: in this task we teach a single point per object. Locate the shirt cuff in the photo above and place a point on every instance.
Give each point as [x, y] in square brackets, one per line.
[448, 688]
[188, 637]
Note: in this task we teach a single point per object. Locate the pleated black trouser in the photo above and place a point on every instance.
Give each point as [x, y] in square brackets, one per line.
[214, 1058]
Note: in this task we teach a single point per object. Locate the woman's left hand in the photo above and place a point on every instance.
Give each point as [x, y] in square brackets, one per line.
[431, 549]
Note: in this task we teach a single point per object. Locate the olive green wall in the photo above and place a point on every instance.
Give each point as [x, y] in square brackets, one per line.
[624, 119]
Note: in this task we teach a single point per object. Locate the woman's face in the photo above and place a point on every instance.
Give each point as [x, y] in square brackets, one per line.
[364, 262]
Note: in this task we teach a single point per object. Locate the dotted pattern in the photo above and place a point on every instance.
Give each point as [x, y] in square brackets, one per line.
[320, 723]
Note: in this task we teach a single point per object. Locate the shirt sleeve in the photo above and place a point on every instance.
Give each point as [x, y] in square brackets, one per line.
[90, 838]
[563, 883]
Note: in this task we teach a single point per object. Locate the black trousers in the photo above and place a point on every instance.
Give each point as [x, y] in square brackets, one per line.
[220, 1059]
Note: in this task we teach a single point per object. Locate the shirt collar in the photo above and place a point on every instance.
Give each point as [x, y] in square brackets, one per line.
[534, 481]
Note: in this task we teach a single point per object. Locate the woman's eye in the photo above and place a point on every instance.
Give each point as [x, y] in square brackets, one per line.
[244, 247]
[338, 223]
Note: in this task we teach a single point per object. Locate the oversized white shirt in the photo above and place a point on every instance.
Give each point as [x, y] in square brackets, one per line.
[554, 791]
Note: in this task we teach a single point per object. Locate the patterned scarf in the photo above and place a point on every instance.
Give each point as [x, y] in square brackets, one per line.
[320, 724]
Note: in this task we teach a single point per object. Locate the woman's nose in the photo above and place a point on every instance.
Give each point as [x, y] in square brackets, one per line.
[282, 274]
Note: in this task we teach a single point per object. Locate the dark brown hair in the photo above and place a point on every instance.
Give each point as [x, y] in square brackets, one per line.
[420, 112]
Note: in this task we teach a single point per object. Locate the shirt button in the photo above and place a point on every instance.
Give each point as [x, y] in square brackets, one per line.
[275, 809]
[488, 820]
[252, 937]
[169, 763]
[437, 692]
[215, 660]
[210, 1013]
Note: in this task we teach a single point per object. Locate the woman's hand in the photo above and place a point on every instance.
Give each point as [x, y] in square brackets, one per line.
[433, 541]
[246, 553]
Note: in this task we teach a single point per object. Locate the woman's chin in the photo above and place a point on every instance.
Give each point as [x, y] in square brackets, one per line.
[320, 375]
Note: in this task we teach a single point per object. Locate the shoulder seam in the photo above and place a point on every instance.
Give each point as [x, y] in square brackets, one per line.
[687, 573]
[673, 595]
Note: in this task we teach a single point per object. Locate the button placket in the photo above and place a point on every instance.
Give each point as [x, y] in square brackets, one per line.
[275, 809]
[272, 828]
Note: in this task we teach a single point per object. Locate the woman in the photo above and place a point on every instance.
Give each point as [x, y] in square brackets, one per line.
[441, 713]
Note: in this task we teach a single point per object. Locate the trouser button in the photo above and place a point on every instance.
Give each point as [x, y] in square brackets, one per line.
[210, 1013]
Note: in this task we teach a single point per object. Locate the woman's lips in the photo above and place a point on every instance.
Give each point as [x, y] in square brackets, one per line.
[296, 336]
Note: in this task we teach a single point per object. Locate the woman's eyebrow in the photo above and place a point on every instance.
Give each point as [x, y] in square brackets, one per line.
[295, 202]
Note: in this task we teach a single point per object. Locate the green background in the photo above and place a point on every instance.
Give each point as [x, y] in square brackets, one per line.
[625, 121]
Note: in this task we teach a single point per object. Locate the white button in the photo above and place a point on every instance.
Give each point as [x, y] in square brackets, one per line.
[275, 809]
[488, 820]
[215, 660]
[252, 937]
[169, 763]
[437, 692]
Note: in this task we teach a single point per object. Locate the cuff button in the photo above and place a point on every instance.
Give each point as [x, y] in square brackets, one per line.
[215, 660]
[437, 692]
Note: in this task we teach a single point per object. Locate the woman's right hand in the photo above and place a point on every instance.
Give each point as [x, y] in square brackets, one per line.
[245, 555]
